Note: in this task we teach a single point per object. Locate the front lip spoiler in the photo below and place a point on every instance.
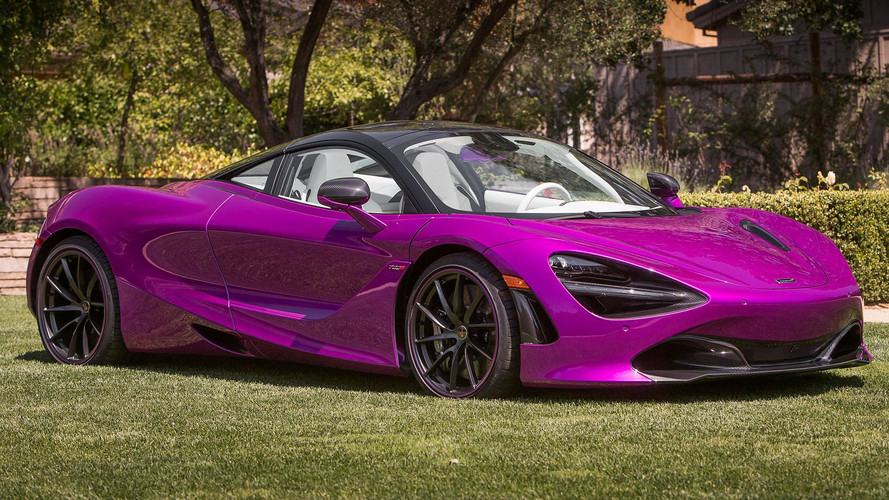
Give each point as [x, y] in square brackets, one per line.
[690, 370]
[754, 371]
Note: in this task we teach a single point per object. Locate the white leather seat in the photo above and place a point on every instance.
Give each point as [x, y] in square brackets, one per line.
[332, 165]
[434, 169]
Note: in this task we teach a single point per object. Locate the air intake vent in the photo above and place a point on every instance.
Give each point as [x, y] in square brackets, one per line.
[757, 230]
[220, 339]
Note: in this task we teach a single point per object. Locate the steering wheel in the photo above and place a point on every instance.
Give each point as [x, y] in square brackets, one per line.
[526, 201]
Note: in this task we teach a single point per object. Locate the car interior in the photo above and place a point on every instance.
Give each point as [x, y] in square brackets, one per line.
[307, 171]
[466, 179]
[465, 173]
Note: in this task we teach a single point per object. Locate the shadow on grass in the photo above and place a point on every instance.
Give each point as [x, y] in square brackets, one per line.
[764, 387]
[251, 370]
[767, 387]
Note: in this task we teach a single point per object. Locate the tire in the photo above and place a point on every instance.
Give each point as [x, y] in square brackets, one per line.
[463, 343]
[78, 312]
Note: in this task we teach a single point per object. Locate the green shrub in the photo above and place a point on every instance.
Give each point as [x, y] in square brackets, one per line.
[7, 224]
[183, 161]
[8, 212]
[188, 162]
[858, 221]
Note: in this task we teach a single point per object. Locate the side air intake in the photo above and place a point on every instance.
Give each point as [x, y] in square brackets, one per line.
[758, 231]
[223, 340]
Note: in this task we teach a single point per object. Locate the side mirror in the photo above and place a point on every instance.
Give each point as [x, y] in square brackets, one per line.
[344, 191]
[664, 187]
[348, 194]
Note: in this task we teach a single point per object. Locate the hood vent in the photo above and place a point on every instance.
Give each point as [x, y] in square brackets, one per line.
[757, 230]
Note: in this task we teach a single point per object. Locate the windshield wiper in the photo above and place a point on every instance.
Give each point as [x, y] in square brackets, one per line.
[589, 214]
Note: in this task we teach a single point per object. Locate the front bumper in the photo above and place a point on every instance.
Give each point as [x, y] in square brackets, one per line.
[685, 358]
[593, 351]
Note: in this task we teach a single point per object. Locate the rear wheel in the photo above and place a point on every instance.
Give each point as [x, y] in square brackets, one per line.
[462, 329]
[77, 307]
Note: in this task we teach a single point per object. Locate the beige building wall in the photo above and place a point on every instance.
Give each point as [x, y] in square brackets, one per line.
[679, 29]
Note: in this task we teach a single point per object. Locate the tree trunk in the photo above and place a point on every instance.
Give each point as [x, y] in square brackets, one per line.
[492, 80]
[409, 104]
[518, 44]
[256, 100]
[420, 89]
[411, 98]
[124, 124]
[296, 101]
[660, 97]
[6, 180]
[817, 108]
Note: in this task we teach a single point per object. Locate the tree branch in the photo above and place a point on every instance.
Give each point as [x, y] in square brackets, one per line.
[217, 64]
[541, 23]
[296, 99]
[457, 19]
[478, 40]
[420, 89]
[256, 99]
[253, 25]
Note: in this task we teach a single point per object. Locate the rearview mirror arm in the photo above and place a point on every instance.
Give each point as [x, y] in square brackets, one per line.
[370, 223]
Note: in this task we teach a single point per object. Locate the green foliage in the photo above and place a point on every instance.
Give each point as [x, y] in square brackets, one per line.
[766, 147]
[725, 181]
[182, 161]
[177, 101]
[551, 84]
[152, 48]
[878, 180]
[797, 184]
[8, 211]
[723, 184]
[549, 90]
[856, 221]
[151, 51]
[610, 31]
[27, 29]
[356, 77]
[7, 224]
[765, 18]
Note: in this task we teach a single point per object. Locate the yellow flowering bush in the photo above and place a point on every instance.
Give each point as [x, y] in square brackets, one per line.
[183, 161]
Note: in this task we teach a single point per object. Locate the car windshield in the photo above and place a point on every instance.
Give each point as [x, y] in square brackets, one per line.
[520, 176]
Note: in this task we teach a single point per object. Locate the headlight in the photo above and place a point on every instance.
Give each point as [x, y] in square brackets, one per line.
[615, 290]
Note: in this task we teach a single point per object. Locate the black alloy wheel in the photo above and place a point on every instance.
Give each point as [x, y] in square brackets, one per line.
[77, 311]
[461, 330]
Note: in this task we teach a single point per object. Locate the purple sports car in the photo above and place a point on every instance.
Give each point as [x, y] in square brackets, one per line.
[477, 258]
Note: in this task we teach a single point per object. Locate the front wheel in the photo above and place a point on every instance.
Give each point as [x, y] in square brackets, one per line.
[462, 333]
[77, 307]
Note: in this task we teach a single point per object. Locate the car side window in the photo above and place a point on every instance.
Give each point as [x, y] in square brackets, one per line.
[307, 171]
[255, 177]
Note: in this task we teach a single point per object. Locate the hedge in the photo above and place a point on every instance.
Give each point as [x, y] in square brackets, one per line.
[858, 221]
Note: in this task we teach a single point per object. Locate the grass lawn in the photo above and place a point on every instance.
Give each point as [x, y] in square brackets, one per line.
[208, 427]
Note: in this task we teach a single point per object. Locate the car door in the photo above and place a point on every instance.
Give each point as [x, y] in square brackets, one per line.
[310, 278]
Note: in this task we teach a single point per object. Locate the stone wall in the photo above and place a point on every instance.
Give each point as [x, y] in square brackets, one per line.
[41, 192]
[15, 248]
